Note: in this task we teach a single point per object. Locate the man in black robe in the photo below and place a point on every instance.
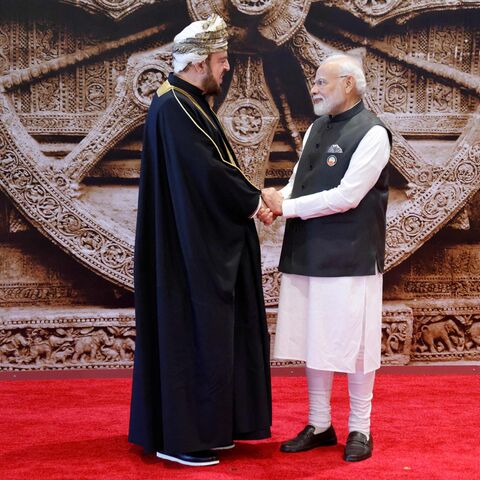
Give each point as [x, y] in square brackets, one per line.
[201, 374]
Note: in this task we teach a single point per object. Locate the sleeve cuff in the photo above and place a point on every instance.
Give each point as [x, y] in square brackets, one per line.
[288, 208]
[285, 191]
[257, 209]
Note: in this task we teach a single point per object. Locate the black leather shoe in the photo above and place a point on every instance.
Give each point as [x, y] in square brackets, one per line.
[307, 439]
[358, 447]
[194, 459]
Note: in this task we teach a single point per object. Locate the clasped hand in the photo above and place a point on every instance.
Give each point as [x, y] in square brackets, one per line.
[271, 206]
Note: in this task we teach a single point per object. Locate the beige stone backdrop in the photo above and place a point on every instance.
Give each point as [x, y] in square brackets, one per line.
[76, 79]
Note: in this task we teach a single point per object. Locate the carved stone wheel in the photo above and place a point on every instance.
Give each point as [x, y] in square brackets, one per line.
[417, 78]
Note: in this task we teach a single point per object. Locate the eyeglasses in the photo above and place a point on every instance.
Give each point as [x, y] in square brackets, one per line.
[321, 82]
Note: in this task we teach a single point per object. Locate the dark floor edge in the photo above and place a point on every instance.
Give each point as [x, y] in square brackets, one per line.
[437, 369]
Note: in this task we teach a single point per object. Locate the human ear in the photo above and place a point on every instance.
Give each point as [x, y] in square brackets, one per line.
[349, 84]
[200, 67]
[204, 66]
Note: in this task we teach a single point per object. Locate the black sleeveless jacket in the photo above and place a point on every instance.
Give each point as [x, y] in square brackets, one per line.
[343, 244]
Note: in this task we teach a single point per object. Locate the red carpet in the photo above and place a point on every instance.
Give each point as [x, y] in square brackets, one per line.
[424, 427]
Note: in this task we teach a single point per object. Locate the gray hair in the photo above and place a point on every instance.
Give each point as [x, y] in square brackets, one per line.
[350, 65]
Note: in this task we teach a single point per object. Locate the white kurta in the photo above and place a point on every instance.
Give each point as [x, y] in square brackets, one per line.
[322, 320]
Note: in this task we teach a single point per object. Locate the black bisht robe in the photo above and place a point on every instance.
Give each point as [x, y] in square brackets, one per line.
[201, 374]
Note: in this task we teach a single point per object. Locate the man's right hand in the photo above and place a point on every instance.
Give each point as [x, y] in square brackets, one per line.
[274, 200]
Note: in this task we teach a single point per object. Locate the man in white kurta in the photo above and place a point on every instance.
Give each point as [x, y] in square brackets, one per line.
[333, 323]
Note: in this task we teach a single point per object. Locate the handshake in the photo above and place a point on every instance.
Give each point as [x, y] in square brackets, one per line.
[271, 206]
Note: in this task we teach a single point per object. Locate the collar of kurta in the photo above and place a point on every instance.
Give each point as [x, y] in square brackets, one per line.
[348, 114]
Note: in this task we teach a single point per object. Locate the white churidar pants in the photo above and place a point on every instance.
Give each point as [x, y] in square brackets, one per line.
[360, 388]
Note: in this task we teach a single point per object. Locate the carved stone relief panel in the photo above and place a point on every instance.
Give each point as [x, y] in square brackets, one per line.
[397, 326]
[57, 340]
[446, 331]
[32, 275]
[438, 271]
[375, 12]
[116, 9]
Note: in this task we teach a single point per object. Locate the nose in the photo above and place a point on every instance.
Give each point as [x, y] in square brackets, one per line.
[227, 66]
[314, 89]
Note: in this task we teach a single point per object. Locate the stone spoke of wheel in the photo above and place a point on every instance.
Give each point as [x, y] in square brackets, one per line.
[55, 214]
[250, 117]
[424, 215]
[145, 72]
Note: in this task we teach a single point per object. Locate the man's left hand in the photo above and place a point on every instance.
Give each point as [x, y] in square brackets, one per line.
[265, 215]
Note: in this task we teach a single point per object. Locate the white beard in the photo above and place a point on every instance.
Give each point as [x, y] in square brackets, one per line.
[322, 108]
[327, 105]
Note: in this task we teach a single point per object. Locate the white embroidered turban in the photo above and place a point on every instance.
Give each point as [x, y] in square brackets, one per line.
[196, 41]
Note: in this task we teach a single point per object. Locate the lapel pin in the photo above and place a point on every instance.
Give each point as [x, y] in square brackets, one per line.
[331, 160]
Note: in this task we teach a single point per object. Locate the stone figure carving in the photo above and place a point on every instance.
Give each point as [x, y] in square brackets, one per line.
[40, 350]
[10, 343]
[57, 341]
[474, 332]
[445, 332]
[87, 346]
[124, 347]
[61, 356]
[109, 353]
[393, 338]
